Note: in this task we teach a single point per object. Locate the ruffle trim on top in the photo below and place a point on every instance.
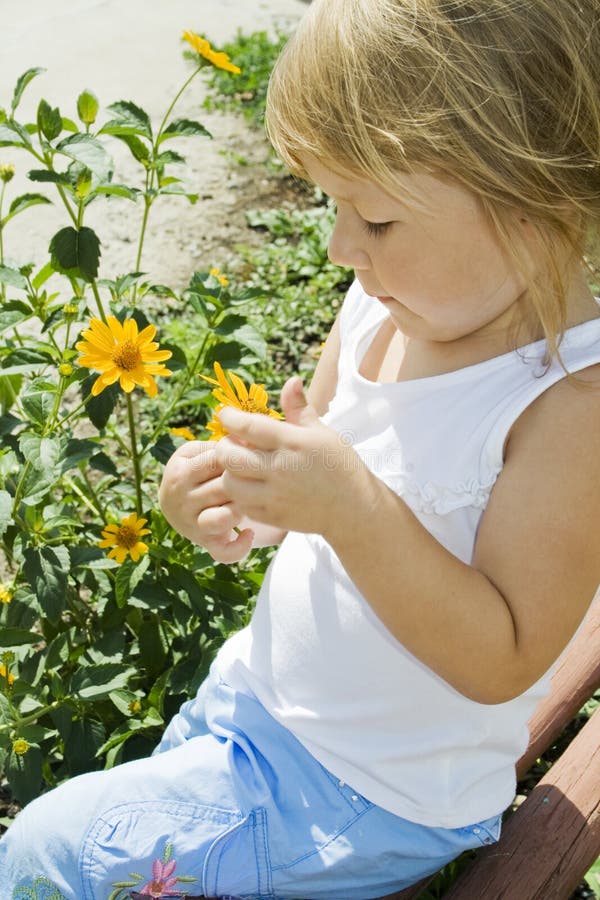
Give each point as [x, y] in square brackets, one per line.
[440, 499]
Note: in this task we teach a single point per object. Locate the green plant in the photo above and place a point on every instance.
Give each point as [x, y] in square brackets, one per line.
[108, 618]
[305, 290]
[256, 53]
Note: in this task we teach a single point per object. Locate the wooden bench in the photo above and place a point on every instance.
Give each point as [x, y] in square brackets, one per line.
[553, 838]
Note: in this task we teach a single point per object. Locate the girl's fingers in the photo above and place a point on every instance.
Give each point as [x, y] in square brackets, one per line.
[218, 520]
[232, 548]
[241, 460]
[262, 432]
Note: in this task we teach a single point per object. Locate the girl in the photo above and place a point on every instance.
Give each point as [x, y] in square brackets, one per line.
[436, 493]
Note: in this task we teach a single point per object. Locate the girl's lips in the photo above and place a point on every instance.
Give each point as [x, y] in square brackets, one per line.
[385, 299]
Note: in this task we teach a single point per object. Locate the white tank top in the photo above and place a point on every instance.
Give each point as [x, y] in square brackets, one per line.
[316, 655]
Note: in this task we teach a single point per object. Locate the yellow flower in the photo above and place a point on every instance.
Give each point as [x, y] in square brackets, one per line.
[20, 746]
[125, 538]
[70, 309]
[134, 707]
[7, 171]
[8, 676]
[202, 46]
[255, 400]
[183, 433]
[65, 369]
[222, 279]
[6, 594]
[122, 354]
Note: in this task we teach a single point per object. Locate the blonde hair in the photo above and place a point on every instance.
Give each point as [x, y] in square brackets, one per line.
[502, 95]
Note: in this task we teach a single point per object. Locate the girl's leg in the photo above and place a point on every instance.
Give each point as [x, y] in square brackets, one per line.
[158, 824]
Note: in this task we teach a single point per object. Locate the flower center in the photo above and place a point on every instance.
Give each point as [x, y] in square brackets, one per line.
[252, 406]
[127, 356]
[156, 888]
[127, 537]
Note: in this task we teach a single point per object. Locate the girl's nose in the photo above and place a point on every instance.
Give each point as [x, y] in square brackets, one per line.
[346, 240]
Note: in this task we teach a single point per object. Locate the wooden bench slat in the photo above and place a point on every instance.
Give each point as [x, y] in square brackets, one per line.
[552, 839]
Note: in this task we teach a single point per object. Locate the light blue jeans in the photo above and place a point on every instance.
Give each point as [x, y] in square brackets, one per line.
[229, 805]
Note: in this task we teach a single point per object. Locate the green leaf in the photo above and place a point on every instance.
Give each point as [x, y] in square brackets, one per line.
[249, 337]
[88, 151]
[87, 107]
[77, 450]
[38, 401]
[138, 149]
[130, 119]
[13, 135]
[10, 385]
[49, 120]
[118, 190]
[163, 449]
[76, 251]
[19, 204]
[128, 577]
[42, 276]
[12, 277]
[100, 408]
[21, 84]
[103, 463]
[153, 645]
[85, 736]
[43, 175]
[16, 637]
[168, 156]
[42, 452]
[181, 127]
[24, 774]
[122, 700]
[6, 505]
[230, 323]
[93, 682]
[44, 570]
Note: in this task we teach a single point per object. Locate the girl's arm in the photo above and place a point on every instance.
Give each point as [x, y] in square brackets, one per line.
[491, 629]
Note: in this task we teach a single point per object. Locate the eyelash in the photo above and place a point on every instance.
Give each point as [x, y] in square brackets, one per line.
[376, 229]
[373, 229]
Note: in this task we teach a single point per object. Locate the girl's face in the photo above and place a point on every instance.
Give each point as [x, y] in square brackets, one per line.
[433, 258]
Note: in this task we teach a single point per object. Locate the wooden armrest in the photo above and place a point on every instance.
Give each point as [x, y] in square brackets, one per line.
[552, 839]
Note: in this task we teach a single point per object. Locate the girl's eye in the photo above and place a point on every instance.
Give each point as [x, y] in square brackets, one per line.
[376, 229]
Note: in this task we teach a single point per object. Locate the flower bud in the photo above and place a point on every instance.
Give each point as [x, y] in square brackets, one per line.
[7, 171]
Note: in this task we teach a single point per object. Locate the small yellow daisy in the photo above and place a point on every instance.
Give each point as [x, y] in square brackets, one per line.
[124, 539]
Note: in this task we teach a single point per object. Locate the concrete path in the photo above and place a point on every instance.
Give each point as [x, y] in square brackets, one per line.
[117, 46]
[132, 50]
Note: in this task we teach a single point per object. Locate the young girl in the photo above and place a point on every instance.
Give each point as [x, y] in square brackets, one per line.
[436, 493]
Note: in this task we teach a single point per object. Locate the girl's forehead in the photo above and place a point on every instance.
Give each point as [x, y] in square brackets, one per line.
[417, 191]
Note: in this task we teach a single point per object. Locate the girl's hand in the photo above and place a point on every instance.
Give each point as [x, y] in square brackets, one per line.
[295, 475]
[193, 498]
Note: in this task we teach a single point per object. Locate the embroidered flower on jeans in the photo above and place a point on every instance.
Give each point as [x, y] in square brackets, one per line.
[162, 882]
[159, 886]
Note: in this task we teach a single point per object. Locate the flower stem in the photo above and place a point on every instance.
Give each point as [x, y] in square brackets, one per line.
[2, 288]
[98, 299]
[135, 456]
[172, 106]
